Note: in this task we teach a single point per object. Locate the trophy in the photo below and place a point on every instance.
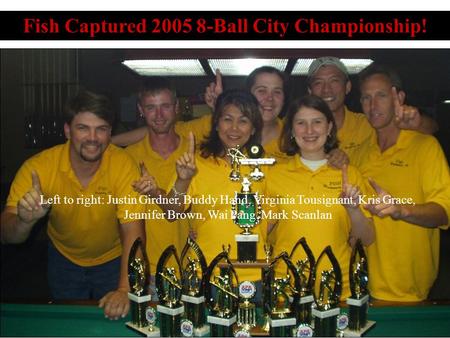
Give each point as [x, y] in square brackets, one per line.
[359, 279]
[194, 267]
[246, 318]
[327, 298]
[143, 316]
[168, 286]
[280, 290]
[221, 295]
[246, 208]
[304, 268]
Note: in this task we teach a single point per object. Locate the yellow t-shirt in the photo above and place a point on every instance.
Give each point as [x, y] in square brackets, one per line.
[355, 131]
[160, 232]
[404, 260]
[200, 127]
[215, 226]
[87, 235]
[321, 222]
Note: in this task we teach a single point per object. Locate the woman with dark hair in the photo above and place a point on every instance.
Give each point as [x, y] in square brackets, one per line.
[320, 202]
[202, 187]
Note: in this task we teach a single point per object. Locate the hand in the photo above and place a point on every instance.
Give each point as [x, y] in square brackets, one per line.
[115, 304]
[146, 185]
[185, 165]
[337, 158]
[383, 209]
[213, 90]
[406, 117]
[29, 207]
[192, 233]
[349, 190]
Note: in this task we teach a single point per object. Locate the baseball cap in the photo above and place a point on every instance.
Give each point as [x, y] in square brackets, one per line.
[326, 61]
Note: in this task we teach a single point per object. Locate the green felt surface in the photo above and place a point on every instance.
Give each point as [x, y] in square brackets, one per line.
[77, 320]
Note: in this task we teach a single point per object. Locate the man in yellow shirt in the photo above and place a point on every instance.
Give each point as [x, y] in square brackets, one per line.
[328, 78]
[85, 186]
[159, 151]
[410, 175]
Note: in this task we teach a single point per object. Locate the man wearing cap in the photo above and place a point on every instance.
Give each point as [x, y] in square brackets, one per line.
[411, 201]
[328, 78]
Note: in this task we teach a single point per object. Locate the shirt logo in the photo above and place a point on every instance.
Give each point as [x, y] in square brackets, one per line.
[399, 163]
[333, 185]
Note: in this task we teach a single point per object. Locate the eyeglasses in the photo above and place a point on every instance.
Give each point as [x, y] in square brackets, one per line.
[165, 107]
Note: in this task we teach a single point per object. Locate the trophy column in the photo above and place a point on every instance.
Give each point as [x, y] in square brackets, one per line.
[143, 315]
[327, 300]
[168, 285]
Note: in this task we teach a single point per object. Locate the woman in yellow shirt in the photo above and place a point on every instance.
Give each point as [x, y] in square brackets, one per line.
[311, 192]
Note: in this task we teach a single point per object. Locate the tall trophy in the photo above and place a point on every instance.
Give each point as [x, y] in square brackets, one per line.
[358, 303]
[279, 307]
[143, 316]
[221, 293]
[304, 267]
[194, 267]
[168, 286]
[247, 209]
[326, 296]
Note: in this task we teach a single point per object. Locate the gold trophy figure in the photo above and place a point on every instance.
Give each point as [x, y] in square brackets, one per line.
[326, 298]
[358, 303]
[247, 209]
[221, 295]
[278, 292]
[194, 267]
[168, 286]
[142, 314]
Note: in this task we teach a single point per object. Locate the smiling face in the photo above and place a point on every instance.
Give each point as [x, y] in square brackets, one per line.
[377, 101]
[268, 90]
[234, 128]
[89, 136]
[159, 110]
[310, 129]
[330, 84]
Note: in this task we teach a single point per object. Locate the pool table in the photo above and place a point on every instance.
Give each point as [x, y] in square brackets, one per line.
[83, 320]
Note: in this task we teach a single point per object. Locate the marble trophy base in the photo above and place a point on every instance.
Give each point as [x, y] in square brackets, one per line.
[144, 330]
[361, 331]
[358, 313]
[282, 327]
[246, 245]
[170, 320]
[221, 327]
[325, 322]
[193, 302]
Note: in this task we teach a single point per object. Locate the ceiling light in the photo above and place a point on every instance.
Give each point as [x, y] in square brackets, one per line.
[244, 67]
[354, 66]
[189, 67]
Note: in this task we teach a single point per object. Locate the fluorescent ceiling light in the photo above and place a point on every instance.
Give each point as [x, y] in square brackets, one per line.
[244, 66]
[447, 101]
[189, 67]
[354, 66]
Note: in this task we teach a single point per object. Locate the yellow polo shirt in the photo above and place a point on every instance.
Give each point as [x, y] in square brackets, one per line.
[321, 222]
[86, 234]
[404, 260]
[160, 232]
[214, 224]
[355, 131]
[200, 127]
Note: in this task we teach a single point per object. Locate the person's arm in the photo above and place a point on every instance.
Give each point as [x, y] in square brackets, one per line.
[17, 222]
[428, 215]
[362, 226]
[129, 137]
[115, 303]
[337, 158]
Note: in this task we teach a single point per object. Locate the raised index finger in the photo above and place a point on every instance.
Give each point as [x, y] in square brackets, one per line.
[35, 181]
[191, 148]
[344, 175]
[397, 103]
[143, 168]
[219, 86]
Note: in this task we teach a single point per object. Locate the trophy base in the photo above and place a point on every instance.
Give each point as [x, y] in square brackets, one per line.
[201, 331]
[282, 327]
[170, 320]
[221, 327]
[361, 331]
[246, 247]
[145, 330]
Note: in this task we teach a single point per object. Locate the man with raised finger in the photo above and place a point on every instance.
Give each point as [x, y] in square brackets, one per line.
[411, 202]
[79, 183]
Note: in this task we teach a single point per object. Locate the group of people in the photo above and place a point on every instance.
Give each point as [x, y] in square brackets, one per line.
[394, 177]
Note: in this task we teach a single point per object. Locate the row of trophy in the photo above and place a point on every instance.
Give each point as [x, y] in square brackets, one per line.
[300, 297]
